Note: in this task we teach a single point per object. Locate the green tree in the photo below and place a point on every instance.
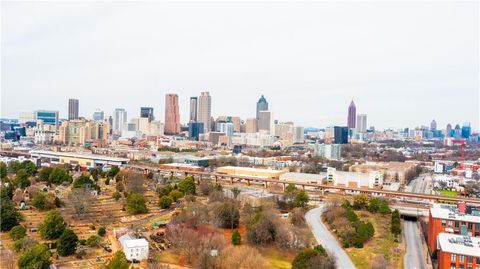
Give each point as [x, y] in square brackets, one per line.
[44, 173]
[67, 243]
[236, 238]
[136, 203]
[165, 190]
[94, 173]
[21, 179]
[83, 181]
[52, 226]
[187, 185]
[18, 232]
[10, 217]
[113, 171]
[37, 257]
[165, 202]
[14, 166]
[102, 231]
[290, 188]
[29, 167]
[395, 225]
[59, 175]
[301, 199]
[175, 195]
[3, 170]
[119, 261]
[313, 258]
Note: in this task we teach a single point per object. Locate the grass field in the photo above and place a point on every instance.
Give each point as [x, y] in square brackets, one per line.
[448, 193]
[382, 243]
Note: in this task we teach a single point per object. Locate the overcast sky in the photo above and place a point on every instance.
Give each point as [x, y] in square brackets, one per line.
[403, 63]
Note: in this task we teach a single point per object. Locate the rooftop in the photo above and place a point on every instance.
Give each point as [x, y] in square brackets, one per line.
[79, 155]
[442, 211]
[459, 244]
[128, 242]
[239, 169]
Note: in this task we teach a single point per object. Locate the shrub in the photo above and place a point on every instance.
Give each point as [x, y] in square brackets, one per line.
[175, 195]
[236, 238]
[119, 261]
[102, 231]
[116, 195]
[395, 227]
[24, 243]
[165, 202]
[18, 232]
[93, 241]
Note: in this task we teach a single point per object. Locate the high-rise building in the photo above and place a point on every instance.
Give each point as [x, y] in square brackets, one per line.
[251, 125]
[49, 117]
[193, 108]
[361, 123]
[204, 114]
[340, 134]
[298, 134]
[457, 133]
[172, 115]
[352, 112]
[466, 130]
[195, 129]
[98, 115]
[147, 112]
[448, 131]
[119, 119]
[72, 109]
[433, 125]
[265, 121]
[262, 105]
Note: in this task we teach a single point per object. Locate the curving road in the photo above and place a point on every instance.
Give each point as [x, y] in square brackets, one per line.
[326, 239]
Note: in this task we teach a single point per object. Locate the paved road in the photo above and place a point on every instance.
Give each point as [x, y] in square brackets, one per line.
[414, 258]
[326, 239]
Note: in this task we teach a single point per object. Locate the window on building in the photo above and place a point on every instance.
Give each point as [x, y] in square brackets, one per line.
[469, 267]
[469, 259]
[453, 266]
[461, 258]
[450, 223]
[477, 226]
[478, 260]
[461, 266]
[457, 224]
[444, 222]
[453, 257]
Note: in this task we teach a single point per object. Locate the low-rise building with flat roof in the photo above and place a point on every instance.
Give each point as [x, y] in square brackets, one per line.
[371, 180]
[304, 177]
[75, 158]
[457, 251]
[250, 172]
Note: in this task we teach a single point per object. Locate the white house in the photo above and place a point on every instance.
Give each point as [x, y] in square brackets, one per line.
[134, 249]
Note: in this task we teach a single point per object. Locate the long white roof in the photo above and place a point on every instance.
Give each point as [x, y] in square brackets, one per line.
[440, 211]
[455, 243]
[79, 155]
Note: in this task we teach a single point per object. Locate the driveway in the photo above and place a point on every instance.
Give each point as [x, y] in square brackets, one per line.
[326, 239]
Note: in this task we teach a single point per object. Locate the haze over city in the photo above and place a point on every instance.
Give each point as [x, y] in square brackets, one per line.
[403, 63]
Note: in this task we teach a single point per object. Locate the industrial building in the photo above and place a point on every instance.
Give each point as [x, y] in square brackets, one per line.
[82, 159]
[371, 180]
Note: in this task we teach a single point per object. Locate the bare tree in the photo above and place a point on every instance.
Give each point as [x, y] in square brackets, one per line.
[8, 259]
[242, 257]
[80, 199]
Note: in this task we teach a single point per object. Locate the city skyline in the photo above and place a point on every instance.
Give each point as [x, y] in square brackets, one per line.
[307, 75]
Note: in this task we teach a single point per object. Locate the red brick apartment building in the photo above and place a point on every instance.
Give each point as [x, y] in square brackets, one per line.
[455, 219]
[458, 252]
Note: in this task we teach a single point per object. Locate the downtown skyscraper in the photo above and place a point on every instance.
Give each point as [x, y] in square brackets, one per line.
[262, 105]
[119, 119]
[172, 115]
[193, 108]
[72, 109]
[352, 114]
[147, 112]
[204, 114]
